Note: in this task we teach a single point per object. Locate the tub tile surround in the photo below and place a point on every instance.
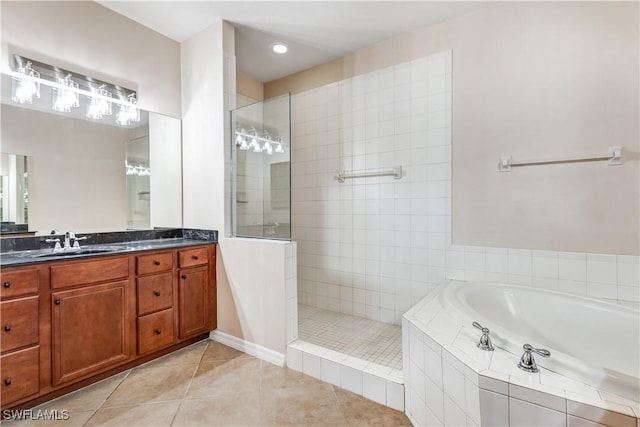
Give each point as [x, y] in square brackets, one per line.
[600, 276]
[446, 377]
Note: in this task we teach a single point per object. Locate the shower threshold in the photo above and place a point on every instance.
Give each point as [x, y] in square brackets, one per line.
[357, 354]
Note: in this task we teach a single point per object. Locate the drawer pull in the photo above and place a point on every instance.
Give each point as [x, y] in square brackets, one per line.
[57, 302]
[157, 293]
[195, 257]
[156, 262]
[157, 331]
[7, 381]
[7, 284]
[184, 277]
[7, 328]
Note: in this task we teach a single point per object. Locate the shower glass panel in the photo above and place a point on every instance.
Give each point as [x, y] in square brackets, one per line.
[261, 173]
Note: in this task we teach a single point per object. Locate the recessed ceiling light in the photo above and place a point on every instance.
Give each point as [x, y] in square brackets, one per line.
[279, 48]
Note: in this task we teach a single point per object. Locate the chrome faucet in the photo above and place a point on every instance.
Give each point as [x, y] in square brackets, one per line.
[68, 237]
[485, 340]
[527, 362]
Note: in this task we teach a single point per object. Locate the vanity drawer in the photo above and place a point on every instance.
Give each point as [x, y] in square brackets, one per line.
[191, 257]
[155, 331]
[19, 282]
[20, 372]
[19, 323]
[155, 293]
[154, 263]
[87, 272]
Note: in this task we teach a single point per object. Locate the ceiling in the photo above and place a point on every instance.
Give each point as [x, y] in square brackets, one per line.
[315, 31]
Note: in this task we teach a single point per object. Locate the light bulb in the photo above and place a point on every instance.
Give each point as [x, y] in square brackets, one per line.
[268, 148]
[25, 89]
[66, 96]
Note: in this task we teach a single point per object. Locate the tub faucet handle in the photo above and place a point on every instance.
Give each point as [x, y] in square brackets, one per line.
[527, 362]
[485, 340]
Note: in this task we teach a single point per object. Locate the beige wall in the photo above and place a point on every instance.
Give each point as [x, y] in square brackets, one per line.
[531, 80]
[88, 38]
[248, 86]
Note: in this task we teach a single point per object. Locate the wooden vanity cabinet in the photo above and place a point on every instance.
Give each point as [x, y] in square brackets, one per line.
[196, 268]
[156, 320]
[90, 330]
[19, 334]
[66, 324]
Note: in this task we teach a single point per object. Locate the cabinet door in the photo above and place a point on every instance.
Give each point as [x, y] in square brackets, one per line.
[194, 307]
[90, 330]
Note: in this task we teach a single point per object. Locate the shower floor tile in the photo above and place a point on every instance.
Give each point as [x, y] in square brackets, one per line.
[366, 339]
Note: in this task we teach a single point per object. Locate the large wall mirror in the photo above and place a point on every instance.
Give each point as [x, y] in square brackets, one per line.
[90, 175]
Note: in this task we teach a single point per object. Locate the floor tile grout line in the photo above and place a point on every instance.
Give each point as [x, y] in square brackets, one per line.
[95, 411]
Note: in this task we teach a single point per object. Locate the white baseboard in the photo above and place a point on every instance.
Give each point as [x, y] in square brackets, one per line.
[256, 350]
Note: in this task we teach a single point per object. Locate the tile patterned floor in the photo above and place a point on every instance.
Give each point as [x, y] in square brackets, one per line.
[366, 339]
[209, 384]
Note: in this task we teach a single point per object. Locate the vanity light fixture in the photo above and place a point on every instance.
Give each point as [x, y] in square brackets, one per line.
[99, 105]
[25, 85]
[67, 88]
[129, 112]
[65, 96]
[249, 140]
[279, 48]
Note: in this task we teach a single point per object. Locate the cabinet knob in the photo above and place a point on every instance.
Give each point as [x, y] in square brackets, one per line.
[195, 257]
[7, 381]
[156, 262]
[157, 331]
[157, 293]
[57, 302]
[7, 328]
[7, 284]
[184, 277]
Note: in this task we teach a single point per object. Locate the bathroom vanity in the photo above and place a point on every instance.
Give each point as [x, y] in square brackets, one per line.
[68, 321]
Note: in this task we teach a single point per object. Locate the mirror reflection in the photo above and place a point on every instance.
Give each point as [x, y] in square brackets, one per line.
[14, 195]
[90, 175]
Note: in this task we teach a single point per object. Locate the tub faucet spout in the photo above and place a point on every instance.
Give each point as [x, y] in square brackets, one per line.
[527, 362]
[485, 340]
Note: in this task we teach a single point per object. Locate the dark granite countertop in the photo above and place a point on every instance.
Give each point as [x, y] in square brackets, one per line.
[104, 245]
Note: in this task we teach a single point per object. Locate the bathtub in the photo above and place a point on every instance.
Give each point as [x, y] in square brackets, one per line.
[591, 341]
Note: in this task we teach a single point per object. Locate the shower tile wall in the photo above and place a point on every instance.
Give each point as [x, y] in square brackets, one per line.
[372, 247]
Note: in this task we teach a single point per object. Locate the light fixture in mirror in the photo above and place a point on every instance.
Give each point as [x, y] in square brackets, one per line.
[249, 140]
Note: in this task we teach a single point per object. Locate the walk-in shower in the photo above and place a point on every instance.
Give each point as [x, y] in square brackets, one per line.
[371, 204]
